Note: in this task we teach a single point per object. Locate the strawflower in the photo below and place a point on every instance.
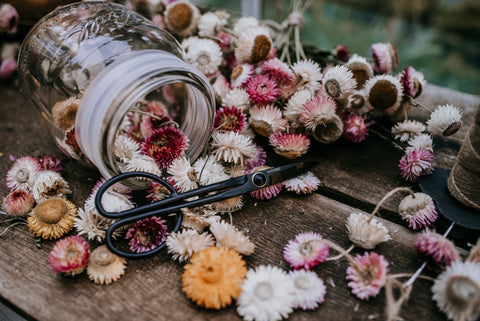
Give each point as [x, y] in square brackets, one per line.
[164, 145]
[366, 232]
[229, 237]
[265, 120]
[289, 145]
[205, 54]
[22, 173]
[302, 184]
[317, 111]
[253, 44]
[309, 289]
[51, 163]
[439, 251]
[262, 90]
[339, 82]
[69, 255]
[385, 57]
[384, 94]
[424, 141]
[308, 74]
[8, 19]
[306, 251]
[367, 275]
[147, 234]
[407, 129]
[184, 175]
[355, 129]
[416, 163]
[241, 74]
[412, 81]
[52, 218]
[49, 184]
[230, 119]
[277, 69]
[446, 120]
[182, 245]
[181, 17]
[64, 113]
[209, 171]
[361, 69]
[18, 203]
[232, 147]
[418, 210]
[104, 267]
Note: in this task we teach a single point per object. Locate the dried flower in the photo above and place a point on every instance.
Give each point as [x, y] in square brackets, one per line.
[22, 174]
[416, 163]
[296, 103]
[367, 275]
[474, 255]
[361, 69]
[49, 184]
[258, 160]
[8, 68]
[205, 54]
[385, 57]
[265, 120]
[52, 218]
[8, 19]
[306, 251]
[69, 255]
[412, 82]
[90, 223]
[231, 238]
[289, 145]
[309, 289]
[366, 233]
[407, 129]
[268, 192]
[164, 145]
[229, 205]
[221, 87]
[241, 74]
[105, 267]
[184, 174]
[262, 90]
[439, 251]
[418, 210]
[64, 113]
[210, 24]
[182, 245]
[126, 148]
[339, 82]
[253, 45]
[237, 97]
[232, 147]
[147, 234]
[268, 293]
[209, 171]
[214, 277]
[329, 131]
[18, 203]
[424, 141]
[308, 74]
[198, 218]
[117, 198]
[156, 192]
[230, 119]
[457, 291]
[278, 70]
[354, 128]
[143, 163]
[445, 120]
[302, 184]
[181, 17]
[51, 163]
[384, 94]
[244, 23]
[317, 111]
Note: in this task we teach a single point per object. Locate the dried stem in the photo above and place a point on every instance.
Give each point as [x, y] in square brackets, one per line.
[387, 196]
[416, 103]
[337, 257]
[339, 249]
[11, 225]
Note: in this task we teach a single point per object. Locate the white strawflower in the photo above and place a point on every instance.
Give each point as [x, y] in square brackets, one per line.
[364, 233]
[198, 218]
[91, 224]
[383, 93]
[181, 17]
[112, 201]
[407, 129]
[49, 184]
[457, 291]
[232, 147]
[244, 23]
[229, 237]
[445, 120]
[308, 74]
[209, 171]
[184, 175]
[424, 141]
[339, 82]
[182, 245]
[253, 44]
[143, 163]
[268, 293]
[295, 104]
[362, 70]
[210, 24]
[303, 184]
[237, 97]
[265, 120]
[205, 54]
[125, 148]
[309, 289]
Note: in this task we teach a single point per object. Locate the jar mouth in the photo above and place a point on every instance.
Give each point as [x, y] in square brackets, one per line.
[133, 78]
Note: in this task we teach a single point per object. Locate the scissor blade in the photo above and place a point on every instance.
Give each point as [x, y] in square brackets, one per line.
[286, 172]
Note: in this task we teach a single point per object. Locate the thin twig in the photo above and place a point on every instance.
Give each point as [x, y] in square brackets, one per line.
[347, 251]
[11, 225]
[386, 197]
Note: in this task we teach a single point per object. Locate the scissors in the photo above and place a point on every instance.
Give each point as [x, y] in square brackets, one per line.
[204, 195]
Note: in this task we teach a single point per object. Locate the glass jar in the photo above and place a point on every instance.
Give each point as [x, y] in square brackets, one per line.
[95, 66]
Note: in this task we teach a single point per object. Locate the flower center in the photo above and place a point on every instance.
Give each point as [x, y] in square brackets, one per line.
[301, 282]
[333, 88]
[452, 128]
[22, 175]
[180, 16]
[263, 291]
[361, 76]
[261, 48]
[357, 101]
[102, 256]
[306, 248]
[462, 291]
[236, 72]
[212, 273]
[192, 175]
[203, 59]
[383, 95]
[51, 211]
[71, 254]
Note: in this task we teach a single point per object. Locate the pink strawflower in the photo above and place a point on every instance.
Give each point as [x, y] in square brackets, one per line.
[18, 203]
[418, 210]
[262, 90]
[265, 120]
[51, 163]
[412, 82]
[277, 69]
[230, 118]
[69, 255]
[151, 123]
[225, 41]
[147, 234]
[354, 128]
[8, 67]
[367, 275]
[303, 184]
[306, 251]
[164, 145]
[341, 52]
[317, 111]
[268, 192]
[439, 251]
[260, 159]
[385, 57]
[156, 191]
[8, 19]
[289, 145]
[415, 163]
[22, 174]
[241, 74]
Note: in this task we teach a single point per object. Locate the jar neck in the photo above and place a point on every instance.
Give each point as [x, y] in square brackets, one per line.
[122, 84]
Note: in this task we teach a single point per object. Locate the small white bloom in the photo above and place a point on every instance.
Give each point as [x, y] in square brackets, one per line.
[364, 233]
[383, 93]
[49, 184]
[125, 148]
[309, 289]
[237, 97]
[268, 293]
[221, 87]
[303, 184]
[182, 245]
[424, 141]
[240, 74]
[244, 23]
[198, 218]
[229, 237]
[232, 147]
[407, 129]
[339, 82]
[209, 171]
[308, 74]
[295, 104]
[445, 120]
[361, 69]
[210, 24]
[143, 163]
[90, 223]
[205, 54]
[265, 120]
[181, 17]
[252, 44]
[23, 173]
[184, 175]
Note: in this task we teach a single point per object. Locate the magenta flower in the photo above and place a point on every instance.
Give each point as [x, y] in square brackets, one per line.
[341, 52]
[69, 255]
[415, 163]
[418, 210]
[164, 145]
[367, 275]
[230, 118]
[257, 161]
[412, 82]
[262, 90]
[147, 234]
[279, 70]
[289, 145]
[268, 192]
[306, 251]
[439, 251]
[354, 128]
[51, 163]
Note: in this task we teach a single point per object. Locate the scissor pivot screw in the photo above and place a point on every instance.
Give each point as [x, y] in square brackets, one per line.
[259, 180]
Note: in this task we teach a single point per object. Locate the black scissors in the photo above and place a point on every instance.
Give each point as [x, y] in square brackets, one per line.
[206, 194]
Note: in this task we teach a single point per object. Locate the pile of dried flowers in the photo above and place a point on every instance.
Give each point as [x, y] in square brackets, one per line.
[259, 91]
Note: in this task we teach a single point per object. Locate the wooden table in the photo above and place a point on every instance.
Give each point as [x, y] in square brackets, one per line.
[354, 178]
